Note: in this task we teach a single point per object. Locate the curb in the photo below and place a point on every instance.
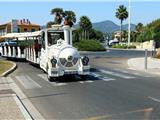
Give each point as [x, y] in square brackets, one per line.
[22, 108]
[131, 66]
[129, 49]
[10, 70]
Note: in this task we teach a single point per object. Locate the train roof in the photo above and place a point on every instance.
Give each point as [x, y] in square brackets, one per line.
[36, 33]
[20, 35]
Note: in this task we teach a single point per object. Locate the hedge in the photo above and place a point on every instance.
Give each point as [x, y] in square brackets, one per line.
[89, 45]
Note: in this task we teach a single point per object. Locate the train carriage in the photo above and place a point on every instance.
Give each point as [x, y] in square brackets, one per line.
[50, 48]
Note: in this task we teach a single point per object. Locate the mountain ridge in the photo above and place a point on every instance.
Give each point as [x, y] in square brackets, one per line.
[109, 26]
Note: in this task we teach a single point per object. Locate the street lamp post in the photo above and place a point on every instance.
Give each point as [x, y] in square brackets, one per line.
[106, 39]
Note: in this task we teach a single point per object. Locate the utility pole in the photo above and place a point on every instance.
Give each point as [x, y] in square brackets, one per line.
[129, 22]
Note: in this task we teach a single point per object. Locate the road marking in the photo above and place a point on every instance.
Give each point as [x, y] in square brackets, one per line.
[95, 75]
[81, 82]
[107, 79]
[131, 72]
[44, 77]
[117, 74]
[147, 114]
[125, 71]
[89, 81]
[102, 77]
[59, 84]
[154, 99]
[27, 82]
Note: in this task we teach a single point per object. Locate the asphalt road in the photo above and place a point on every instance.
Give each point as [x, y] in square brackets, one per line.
[117, 53]
[111, 91]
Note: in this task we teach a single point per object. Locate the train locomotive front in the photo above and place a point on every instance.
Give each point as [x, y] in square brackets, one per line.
[62, 58]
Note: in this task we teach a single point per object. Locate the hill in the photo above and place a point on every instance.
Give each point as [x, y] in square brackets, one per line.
[109, 26]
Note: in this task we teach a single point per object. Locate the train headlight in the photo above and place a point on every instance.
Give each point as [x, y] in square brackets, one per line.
[85, 60]
[54, 62]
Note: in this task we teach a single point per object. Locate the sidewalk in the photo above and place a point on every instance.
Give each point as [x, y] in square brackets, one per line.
[153, 65]
[10, 106]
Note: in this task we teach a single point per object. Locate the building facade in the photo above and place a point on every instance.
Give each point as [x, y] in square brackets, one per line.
[17, 26]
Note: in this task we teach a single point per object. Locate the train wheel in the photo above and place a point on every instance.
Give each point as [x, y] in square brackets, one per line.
[83, 77]
[49, 78]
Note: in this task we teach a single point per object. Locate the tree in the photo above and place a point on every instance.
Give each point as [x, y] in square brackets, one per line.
[139, 27]
[58, 12]
[121, 14]
[76, 35]
[70, 18]
[49, 24]
[124, 35]
[85, 24]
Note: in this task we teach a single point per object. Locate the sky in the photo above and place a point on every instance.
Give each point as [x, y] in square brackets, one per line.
[38, 11]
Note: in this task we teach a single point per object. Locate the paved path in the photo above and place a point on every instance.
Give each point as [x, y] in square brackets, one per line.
[153, 65]
[10, 106]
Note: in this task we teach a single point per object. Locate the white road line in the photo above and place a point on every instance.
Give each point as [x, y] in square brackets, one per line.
[59, 84]
[131, 72]
[88, 81]
[27, 82]
[81, 82]
[108, 79]
[95, 74]
[154, 99]
[117, 74]
[102, 77]
[44, 77]
[131, 69]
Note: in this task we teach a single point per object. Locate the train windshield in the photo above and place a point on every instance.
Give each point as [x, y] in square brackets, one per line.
[54, 36]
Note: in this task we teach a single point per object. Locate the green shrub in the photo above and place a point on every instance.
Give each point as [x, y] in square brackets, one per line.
[131, 46]
[123, 46]
[119, 46]
[89, 45]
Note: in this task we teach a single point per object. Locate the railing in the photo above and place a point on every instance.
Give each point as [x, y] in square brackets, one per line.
[29, 53]
[13, 52]
[32, 55]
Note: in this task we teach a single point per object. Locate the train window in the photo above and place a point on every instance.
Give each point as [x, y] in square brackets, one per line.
[54, 36]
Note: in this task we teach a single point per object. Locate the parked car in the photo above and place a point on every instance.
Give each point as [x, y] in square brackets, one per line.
[10, 42]
[113, 42]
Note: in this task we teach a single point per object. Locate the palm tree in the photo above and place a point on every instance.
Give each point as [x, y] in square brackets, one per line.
[58, 12]
[70, 18]
[85, 24]
[124, 35]
[139, 27]
[121, 14]
[49, 24]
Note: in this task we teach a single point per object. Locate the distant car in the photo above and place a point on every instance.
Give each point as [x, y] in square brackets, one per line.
[10, 43]
[113, 42]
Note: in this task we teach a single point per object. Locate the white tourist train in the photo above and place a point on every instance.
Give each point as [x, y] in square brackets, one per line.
[50, 48]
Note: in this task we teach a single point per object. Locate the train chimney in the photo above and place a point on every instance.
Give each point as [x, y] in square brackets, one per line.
[67, 34]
